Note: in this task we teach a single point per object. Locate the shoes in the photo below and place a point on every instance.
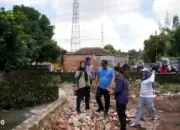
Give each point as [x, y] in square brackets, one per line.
[135, 124]
[78, 112]
[99, 110]
[156, 118]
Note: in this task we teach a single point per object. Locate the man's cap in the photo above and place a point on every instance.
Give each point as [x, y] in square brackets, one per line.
[104, 62]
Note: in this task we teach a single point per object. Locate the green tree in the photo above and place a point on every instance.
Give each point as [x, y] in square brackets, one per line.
[167, 22]
[118, 51]
[154, 47]
[175, 22]
[13, 48]
[133, 52]
[40, 31]
[26, 37]
[176, 43]
[49, 52]
[111, 49]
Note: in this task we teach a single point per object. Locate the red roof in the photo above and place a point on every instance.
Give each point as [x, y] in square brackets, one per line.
[91, 51]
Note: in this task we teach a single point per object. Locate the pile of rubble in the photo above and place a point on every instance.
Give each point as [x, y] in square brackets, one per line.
[91, 120]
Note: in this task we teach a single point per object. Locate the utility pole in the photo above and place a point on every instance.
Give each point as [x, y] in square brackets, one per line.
[102, 35]
[75, 34]
[156, 47]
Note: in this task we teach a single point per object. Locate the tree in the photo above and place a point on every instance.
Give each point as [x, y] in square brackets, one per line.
[40, 31]
[13, 48]
[164, 44]
[26, 37]
[167, 22]
[49, 52]
[118, 51]
[176, 45]
[160, 27]
[133, 52]
[111, 49]
[175, 22]
[154, 47]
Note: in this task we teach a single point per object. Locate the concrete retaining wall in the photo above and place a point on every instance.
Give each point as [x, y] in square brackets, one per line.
[49, 113]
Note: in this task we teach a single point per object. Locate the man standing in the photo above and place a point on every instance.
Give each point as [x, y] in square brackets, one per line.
[104, 80]
[90, 69]
[121, 96]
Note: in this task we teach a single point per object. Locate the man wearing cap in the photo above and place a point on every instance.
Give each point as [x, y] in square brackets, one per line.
[104, 80]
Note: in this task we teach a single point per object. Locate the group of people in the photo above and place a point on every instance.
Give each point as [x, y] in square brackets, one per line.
[104, 81]
[162, 68]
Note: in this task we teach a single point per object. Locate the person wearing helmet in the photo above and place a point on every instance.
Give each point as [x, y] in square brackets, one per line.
[146, 97]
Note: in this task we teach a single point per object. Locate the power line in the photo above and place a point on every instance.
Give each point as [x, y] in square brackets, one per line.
[89, 39]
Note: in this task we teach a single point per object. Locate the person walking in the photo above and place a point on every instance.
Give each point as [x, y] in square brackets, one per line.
[104, 80]
[121, 96]
[82, 85]
[146, 97]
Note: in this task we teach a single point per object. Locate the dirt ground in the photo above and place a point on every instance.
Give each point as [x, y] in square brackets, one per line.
[168, 111]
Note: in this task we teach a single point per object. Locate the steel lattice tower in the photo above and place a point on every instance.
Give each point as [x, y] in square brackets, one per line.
[75, 35]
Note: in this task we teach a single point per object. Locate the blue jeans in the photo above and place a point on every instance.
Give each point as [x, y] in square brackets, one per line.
[149, 103]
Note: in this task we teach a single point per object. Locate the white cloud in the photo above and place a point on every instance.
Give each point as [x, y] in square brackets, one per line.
[117, 14]
[24, 2]
[123, 28]
[161, 7]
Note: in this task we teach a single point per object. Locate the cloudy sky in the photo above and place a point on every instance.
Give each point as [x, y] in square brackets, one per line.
[126, 22]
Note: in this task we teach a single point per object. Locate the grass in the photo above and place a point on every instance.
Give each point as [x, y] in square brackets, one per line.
[177, 124]
[134, 88]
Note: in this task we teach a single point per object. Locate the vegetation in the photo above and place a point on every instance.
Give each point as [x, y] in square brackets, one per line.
[111, 49]
[166, 43]
[21, 89]
[26, 37]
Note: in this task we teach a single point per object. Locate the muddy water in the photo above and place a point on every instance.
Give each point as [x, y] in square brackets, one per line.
[13, 118]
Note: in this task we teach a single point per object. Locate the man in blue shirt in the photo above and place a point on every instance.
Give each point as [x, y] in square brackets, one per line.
[105, 79]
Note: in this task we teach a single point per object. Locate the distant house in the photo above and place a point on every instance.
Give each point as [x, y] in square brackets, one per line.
[72, 60]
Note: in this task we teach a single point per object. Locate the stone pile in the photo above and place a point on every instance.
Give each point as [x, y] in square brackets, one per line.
[90, 120]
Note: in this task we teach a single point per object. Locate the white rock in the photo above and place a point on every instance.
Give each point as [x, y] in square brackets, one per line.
[131, 113]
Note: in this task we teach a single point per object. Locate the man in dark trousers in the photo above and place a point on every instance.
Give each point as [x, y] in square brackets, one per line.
[104, 80]
[121, 96]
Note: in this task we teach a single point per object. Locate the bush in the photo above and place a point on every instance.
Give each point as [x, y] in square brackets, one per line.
[67, 76]
[19, 90]
[174, 88]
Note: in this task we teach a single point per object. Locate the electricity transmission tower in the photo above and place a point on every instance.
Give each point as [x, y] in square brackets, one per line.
[75, 34]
